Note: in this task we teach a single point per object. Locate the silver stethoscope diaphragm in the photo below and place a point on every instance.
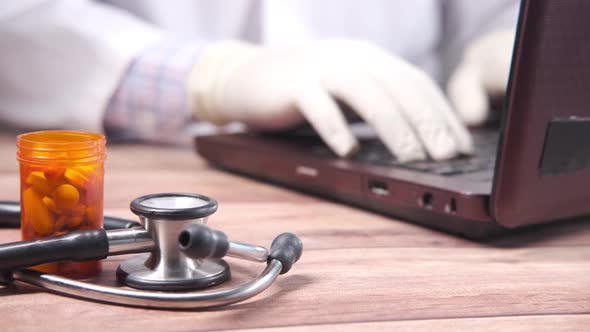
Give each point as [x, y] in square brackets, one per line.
[164, 216]
[179, 255]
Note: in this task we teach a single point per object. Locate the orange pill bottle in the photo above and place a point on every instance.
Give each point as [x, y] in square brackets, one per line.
[61, 181]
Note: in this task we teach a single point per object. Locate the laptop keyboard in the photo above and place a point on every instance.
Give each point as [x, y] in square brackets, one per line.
[373, 151]
[485, 141]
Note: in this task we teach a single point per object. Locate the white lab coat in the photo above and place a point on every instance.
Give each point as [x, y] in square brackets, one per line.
[60, 61]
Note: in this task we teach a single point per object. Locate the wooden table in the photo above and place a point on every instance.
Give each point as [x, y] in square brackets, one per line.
[359, 270]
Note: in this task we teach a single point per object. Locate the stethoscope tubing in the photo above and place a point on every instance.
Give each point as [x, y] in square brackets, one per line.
[153, 299]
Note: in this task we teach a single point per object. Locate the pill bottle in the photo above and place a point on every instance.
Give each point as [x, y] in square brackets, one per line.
[61, 189]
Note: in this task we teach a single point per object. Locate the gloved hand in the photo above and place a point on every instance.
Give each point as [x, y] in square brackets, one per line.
[482, 73]
[279, 88]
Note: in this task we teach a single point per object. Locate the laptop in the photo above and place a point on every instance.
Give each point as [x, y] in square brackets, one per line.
[532, 168]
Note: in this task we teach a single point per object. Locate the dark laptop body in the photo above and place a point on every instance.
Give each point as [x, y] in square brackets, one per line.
[539, 160]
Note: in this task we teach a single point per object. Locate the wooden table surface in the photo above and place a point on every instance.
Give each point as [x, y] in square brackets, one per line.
[359, 270]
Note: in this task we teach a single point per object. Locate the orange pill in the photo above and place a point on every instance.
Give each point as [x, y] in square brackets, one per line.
[38, 181]
[74, 221]
[50, 203]
[37, 214]
[76, 177]
[93, 216]
[87, 170]
[66, 196]
[79, 210]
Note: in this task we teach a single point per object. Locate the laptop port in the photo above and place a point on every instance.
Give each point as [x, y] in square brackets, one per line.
[378, 188]
[427, 200]
[451, 207]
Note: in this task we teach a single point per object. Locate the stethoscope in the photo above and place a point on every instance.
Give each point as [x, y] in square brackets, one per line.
[180, 256]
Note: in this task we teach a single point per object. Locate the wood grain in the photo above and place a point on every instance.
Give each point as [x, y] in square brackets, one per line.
[359, 270]
[574, 323]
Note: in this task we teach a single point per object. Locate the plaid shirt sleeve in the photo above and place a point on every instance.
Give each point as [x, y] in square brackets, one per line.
[150, 102]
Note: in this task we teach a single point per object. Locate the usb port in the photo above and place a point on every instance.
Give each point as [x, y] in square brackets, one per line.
[378, 188]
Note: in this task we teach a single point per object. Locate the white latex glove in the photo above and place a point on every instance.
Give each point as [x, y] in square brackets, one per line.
[278, 88]
[483, 72]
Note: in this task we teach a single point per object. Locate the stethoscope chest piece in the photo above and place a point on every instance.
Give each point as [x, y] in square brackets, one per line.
[166, 268]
